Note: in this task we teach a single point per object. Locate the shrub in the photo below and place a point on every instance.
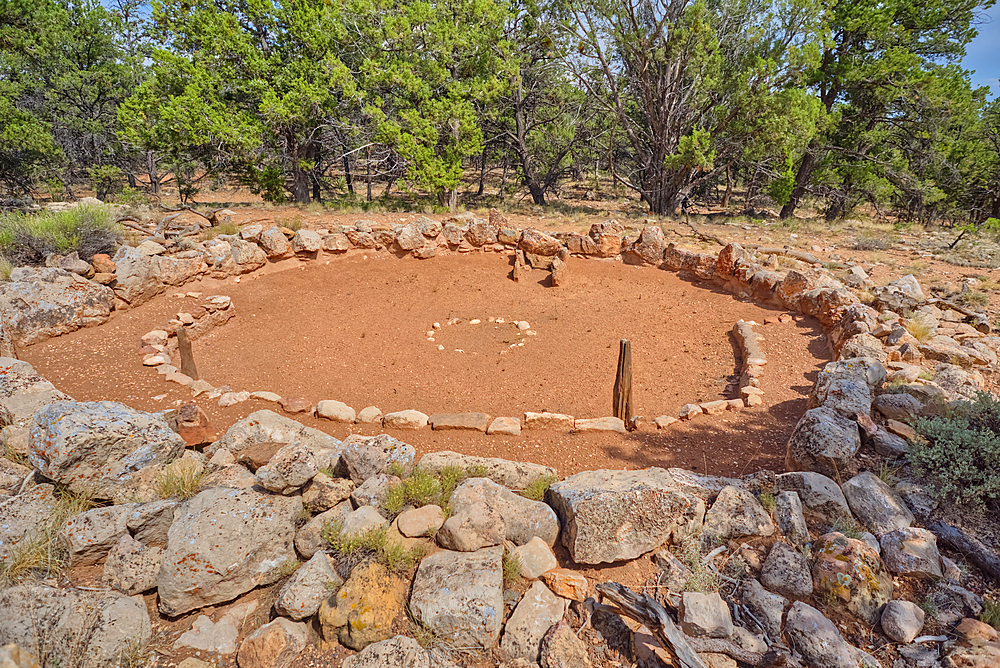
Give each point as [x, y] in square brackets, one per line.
[26, 239]
[991, 613]
[768, 502]
[536, 489]
[975, 299]
[5, 268]
[372, 544]
[961, 452]
[511, 568]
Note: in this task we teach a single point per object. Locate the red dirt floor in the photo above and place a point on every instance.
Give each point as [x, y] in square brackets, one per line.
[355, 329]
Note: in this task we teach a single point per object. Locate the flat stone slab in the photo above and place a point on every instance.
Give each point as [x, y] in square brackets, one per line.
[506, 426]
[462, 421]
[548, 421]
[601, 424]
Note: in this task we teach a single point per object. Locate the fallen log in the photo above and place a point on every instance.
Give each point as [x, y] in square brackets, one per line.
[986, 559]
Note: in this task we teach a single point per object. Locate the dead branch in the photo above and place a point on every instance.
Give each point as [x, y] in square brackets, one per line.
[701, 236]
[798, 255]
[210, 217]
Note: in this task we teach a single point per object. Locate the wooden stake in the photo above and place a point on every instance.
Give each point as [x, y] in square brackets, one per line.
[623, 385]
[187, 358]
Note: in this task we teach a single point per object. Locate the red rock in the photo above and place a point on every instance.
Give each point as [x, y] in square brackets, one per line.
[194, 426]
[103, 264]
[295, 405]
[973, 629]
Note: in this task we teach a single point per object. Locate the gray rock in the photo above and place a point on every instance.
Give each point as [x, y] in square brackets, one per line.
[276, 644]
[365, 456]
[748, 640]
[675, 573]
[222, 543]
[408, 419]
[308, 587]
[767, 607]
[519, 519]
[23, 393]
[847, 386]
[131, 567]
[817, 639]
[306, 241]
[336, 243]
[22, 516]
[90, 535]
[912, 551]
[11, 475]
[916, 498]
[370, 415]
[309, 539]
[705, 487]
[247, 256]
[397, 652]
[288, 470]
[41, 303]
[902, 620]
[513, 475]
[900, 407]
[791, 520]
[538, 610]
[361, 521]
[786, 572]
[460, 421]
[737, 513]
[71, 627]
[138, 276]
[609, 516]
[337, 411]
[823, 441]
[704, 615]
[373, 492]
[268, 427]
[875, 504]
[888, 444]
[208, 636]
[323, 492]
[149, 522]
[94, 447]
[275, 244]
[459, 596]
[821, 497]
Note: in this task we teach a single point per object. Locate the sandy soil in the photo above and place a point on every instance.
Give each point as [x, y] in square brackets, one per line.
[355, 329]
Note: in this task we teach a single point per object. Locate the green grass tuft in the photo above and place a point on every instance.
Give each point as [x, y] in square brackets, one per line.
[991, 613]
[372, 544]
[536, 489]
[511, 568]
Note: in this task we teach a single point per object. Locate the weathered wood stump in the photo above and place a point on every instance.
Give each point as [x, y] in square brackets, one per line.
[188, 367]
[622, 399]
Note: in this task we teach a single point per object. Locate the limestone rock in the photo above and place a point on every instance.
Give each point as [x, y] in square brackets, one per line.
[308, 587]
[77, 628]
[247, 256]
[460, 421]
[323, 492]
[361, 612]
[485, 513]
[131, 567]
[600, 424]
[648, 248]
[19, 517]
[737, 513]
[912, 551]
[507, 426]
[902, 620]
[536, 557]
[275, 245]
[791, 520]
[704, 615]
[823, 441]
[817, 639]
[875, 504]
[847, 386]
[337, 411]
[821, 497]
[459, 596]
[41, 303]
[365, 456]
[13, 656]
[138, 276]
[513, 475]
[289, 469]
[408, 419]
[208, 636]
[561, 648]
[898, 406]
[397, 652]
[374, 491]
[423, 521]
[22, 394]
[609, 516]
[90, 535]
[786, 572]
[306, 241]
[309, 538]
[95, 446]
[767, 607]
[852, 572]
[547, 420]
[538, 610]
[266, 426]
[370, 415]
[274, 645]
[150, 522]
[539, 243]
[222, 543]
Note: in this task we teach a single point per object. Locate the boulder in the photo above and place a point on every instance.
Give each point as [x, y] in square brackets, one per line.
[786, 572]
[481, 233]
[275, 245]
[566, 583]
[823, 441]
[460, 421]
[308, 587]
[458, 596]
[73, 627]
[138, 276]
[309, 539]
[178, 271]
[561, 648]
[767, 607]
[274, 645]
[817, 638]
[363, 457]
[306, 241]
[337, 411]
[912, 551]
[222, 543]
[648, 248]
[92, 534]
[900, 407]
[609, 516]
[485, 513]
[704, 615]
[94, 447]
[737, 513]
[847, 386]
[323, 492]
[22, 516]
[38, 304]
[791, 519]
[247, 256]
[607, 238]
[822, 498]
[536, 557]
[875, 504]
[902, 620]
[513, 475]
[423, 521]
[537, 611]
[268, 427]
[539, 243]
[850, 571]
[131, 567]
[288, 470]
[150, 522]
[408, 419]
[337, 243]
[23, 393]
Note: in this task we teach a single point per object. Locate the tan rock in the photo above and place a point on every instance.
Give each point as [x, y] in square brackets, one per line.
[508, 426]
[274, 645]
[715, 407]
[547, 420]
[566, 583]
[688, 411]
[600, 424]
[295, 405]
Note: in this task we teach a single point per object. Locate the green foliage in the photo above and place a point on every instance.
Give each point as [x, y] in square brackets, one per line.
[6, 267]
[975, 299]
[536, 489]
[768, 501]
[703, 578]
[780, 189]
[372, 544]
[849, 527]
[419, 489]
[25, 239]
[961, 453]
[991, 613]
[106, 180]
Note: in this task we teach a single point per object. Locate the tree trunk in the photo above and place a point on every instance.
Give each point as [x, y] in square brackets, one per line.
[801, 181]
[151, 172]
[482, 173]
[995, 213]
[368, 174]
[300, 185]
[348, 177]
[729, 188]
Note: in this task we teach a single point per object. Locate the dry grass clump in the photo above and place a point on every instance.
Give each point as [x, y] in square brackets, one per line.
[41, 553]
[180, 479]
[920, 329]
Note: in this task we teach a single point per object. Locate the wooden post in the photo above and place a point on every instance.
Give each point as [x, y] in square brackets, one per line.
[623, 385]
[187, 358]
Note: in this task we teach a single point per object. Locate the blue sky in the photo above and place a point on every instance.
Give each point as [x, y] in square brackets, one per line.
[983, 54]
